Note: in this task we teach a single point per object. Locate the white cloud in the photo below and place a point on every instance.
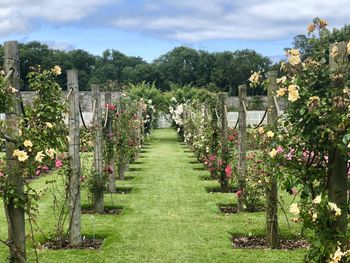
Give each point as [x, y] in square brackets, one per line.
[195, 21]
[19, 16]
[184, 21]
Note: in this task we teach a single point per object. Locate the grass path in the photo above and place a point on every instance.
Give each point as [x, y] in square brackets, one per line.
[168, 217]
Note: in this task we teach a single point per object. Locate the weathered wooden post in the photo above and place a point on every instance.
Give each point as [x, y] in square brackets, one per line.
[272, 236]
[225, 154]
[14, 181]
[74, 160]
[337, 172]
[98, 150]
[242, 146]
[109, 146]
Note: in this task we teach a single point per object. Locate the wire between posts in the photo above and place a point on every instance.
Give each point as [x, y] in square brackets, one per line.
[277, 106]
[106, 118]
[9, 74]
[81, 117]
[236, 123]
[262, 120]
[69, 93]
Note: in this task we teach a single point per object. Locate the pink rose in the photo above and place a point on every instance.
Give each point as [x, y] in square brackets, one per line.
[45, 168]
[58, 163]
[228, 171]
[37, 172]
[1, 174]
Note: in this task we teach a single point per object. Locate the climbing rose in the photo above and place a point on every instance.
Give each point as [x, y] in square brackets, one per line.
[50, 152]
[239, 193]
[21, 155]
[37, 172]
[45, 168]
[58, 163]
[1, 174]
[281, 92]
[110, 107]
[228, 171]
[294, 209]
[56, 70]
[273, 153]
[293, 93]
[270, 134]
[39, 157]
[49, 125]
[28, 143]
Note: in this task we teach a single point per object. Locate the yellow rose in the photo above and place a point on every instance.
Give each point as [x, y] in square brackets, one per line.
[270, 134]
[294, 60]
[28, 143]
[282, 80]
[39, 157]
[56, 70]
[334, 51]
[49, 125]
[310, 28]
[281, 92]
[21, 155]
[348, 47]
[261, 130]
[273, 153]
[317, 199]
[293, 96]
[50, 152]
[294, 209]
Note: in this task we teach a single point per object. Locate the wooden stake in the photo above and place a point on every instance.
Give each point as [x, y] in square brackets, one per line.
[242, 145]
[74, 160]
[224, 182]
[109, 145]
[14, 184]
[98, 151]
[272, 236]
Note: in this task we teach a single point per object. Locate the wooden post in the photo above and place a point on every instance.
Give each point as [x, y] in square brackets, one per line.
[242, 145]
[225, 155]
[109, 145]
[272, 236]
[98, 151]
[74, 160]
[337, 164]
[14, 182]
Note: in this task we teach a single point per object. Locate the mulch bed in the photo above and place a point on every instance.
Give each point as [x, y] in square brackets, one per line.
[232, 208]
[256, 242]
[63, 243]
[109, 210]
[217, 189]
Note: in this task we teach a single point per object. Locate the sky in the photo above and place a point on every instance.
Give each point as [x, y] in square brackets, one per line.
[150, 28]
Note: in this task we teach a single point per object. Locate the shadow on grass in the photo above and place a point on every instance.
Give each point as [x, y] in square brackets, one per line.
[135, 169]
[122, 190]
[233, 209]
[218, 189]
[109, 209]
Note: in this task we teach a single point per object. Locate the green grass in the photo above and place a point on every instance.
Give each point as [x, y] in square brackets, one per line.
[168, 217]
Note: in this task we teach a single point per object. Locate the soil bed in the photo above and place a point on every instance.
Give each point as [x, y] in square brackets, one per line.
[256, 242]
[63, 243]
[109, 210]
[217, 189]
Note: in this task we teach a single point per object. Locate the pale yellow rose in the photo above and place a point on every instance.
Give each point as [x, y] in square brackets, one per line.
[261, 130]
[273, 153]
[335, 208]
[334, 51]
[281, 92]
[294, 60]
[293, 95]
[50, 152]
[39, 157]
[310, 28]
[338, 254]
[317, 199]
[28, 143]
[270, 134]
[49, 125]
[282, 80]
[21, 155]
[56, 70]
[348, 47]
[294, 209]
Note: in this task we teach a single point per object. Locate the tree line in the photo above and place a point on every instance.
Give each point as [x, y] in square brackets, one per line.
[218, 71]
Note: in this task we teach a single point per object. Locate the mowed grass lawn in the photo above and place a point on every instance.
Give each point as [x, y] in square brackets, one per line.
[168, 216]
